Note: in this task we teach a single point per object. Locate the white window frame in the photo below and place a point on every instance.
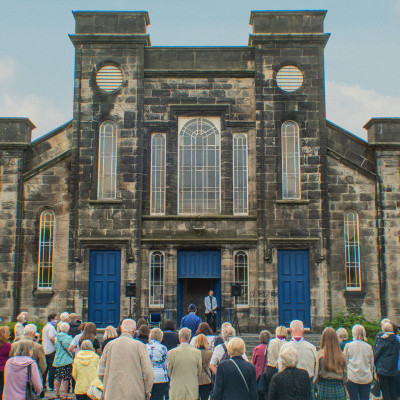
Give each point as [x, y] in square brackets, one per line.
[103, 156]
[153, 303]
[158, 175]
[241, 191]
[351, 222]
[293, 158]
[47, 222]
[196, 203]
[242, 301]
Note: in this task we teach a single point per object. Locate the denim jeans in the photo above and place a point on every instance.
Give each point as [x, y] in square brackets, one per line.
[358, 391]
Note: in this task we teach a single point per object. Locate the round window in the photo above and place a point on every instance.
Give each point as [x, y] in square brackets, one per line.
[109, 78]
[289, 78]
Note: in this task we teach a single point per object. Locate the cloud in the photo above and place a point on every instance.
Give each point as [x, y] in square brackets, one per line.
[7, 70]
[352, 106]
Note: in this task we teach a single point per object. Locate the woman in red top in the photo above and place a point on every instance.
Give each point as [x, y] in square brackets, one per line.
[5, 347]
[259, 359]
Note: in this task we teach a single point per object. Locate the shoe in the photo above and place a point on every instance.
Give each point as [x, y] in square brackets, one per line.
[50, 390]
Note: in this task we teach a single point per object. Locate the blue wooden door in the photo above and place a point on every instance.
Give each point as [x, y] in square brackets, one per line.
[293, 287]
[104, 287]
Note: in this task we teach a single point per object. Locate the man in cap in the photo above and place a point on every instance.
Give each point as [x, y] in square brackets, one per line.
[191, 320]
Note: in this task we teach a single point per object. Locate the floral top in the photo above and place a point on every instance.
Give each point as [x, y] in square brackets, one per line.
[158, 358]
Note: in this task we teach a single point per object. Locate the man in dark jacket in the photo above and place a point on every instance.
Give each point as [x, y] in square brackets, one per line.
[386, 354]
[191, 320]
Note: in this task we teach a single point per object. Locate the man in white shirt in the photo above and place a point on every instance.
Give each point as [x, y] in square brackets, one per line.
[49, 334]
[210, 303]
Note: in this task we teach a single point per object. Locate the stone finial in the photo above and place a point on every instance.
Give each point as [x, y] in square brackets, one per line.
[383, 131]
[16, 131]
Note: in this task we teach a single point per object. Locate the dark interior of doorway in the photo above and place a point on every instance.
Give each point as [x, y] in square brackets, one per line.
[194, 290]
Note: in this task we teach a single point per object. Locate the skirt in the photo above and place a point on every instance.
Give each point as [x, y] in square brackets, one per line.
[63, 373]
[331, 389]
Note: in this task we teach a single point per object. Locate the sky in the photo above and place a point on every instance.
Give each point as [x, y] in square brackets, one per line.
[362, 56]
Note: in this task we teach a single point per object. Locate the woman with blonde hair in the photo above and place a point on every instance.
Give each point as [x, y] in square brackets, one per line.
[343, 337]
[110, 333]
[360, 365]
[332, 371]
[205, 382]
[5, 347]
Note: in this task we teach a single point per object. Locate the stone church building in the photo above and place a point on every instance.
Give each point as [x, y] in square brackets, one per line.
[186, 169]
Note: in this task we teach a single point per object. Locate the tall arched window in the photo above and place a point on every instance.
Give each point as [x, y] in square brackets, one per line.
[199, 166]
[241, 264]
[46, 247]
[107, 174]
[290, 160]
[156, 278]
[240, 181]
[157, 194]
[352, 250]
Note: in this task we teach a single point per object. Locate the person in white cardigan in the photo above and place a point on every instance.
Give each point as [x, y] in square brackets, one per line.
[360, 365]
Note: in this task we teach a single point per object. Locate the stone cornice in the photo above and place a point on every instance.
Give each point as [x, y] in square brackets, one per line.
[305, 38]
[127, 39]
[199, 217]
[14, 146]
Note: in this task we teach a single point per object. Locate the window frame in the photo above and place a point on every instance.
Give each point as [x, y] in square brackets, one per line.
[347, 245]
[151, 285]
[246, 284]
[41, 267]
[162, 187]
[245, 171]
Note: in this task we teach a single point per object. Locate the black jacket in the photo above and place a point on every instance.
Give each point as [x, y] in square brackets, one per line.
[290, 384]
[170, 340]
[229, 384]
[74, 328]
[386, 354]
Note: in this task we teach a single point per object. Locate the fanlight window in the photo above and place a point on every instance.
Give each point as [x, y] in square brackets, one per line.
[241, 265]
[158, 174]
[156, 278]
[107, 173]
[199, 167]
[46, 247]
[352, 251]
[290, 160]
[240, 178]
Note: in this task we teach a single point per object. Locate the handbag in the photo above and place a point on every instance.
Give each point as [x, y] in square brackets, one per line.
[30, 393]
[376, 386]
[262, 385]
[241, 374]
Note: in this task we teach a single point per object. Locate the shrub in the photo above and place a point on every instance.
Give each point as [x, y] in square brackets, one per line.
[40, 325]
[347, 320]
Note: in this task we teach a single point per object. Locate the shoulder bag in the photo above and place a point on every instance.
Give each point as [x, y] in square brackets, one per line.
[241, 374]
[30, 393]
[66, 350]
[376, 385]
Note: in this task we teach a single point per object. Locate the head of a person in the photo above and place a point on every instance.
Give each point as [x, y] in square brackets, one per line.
[358, 332]
[4, 334]
[384, 321]
[156, 334]
[184, 335]
[30, 330]
[192, 308]
[236, 347]
[288, 357]
[227, 332]
[265, 336]
[24, 348]
[140, 322]
[73, 317]
[90, 330]
[63, 327]
[204, 328]
[110, 333]
[342, 334]
[334, 359]
[52, 318]
[144, 331]
[387, 327]
[211, 292]
[64, 317]
[21, 318]
[169, 325]
[87, 345]
[128, 326]
[297, 328]
[201, 342]
[281, 331]
[82, 326]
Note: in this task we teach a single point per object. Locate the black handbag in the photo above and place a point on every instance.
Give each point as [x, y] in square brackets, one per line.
[376, 386]
[30, 393]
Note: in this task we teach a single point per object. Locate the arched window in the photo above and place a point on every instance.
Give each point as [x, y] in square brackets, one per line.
[199, 166]
[242, 277]
[156, 278]
[290, 160]
[46, 247]
[157, 194]
[107, 174]
[352, 250]
[240, 181]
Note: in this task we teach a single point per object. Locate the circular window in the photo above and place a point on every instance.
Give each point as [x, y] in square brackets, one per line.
[109, 78]
[289, 78]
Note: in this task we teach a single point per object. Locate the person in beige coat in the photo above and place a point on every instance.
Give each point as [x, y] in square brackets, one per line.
[184, 368]
[125, 368]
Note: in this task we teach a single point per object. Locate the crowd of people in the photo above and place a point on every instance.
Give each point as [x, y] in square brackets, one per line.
[136, 362]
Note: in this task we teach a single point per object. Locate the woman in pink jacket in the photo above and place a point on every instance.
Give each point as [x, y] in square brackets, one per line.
[16, 373]
[260, 353]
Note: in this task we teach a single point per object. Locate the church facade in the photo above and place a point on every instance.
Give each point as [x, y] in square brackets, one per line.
[186, 169]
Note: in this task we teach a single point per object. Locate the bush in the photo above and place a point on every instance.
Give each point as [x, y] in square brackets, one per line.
[40, 325]
[347, 320]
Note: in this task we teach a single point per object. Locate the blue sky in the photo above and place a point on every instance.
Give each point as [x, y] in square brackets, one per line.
[362, 57]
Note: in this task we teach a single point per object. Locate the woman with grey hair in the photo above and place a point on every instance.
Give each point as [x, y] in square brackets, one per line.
[260, 355]
[343, 337]
[290, 382]
[17, 370]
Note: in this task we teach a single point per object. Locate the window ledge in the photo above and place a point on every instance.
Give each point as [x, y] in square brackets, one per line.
[43, 292]
[292, 201]
[200, 217]
[354, 293]
[105, 201]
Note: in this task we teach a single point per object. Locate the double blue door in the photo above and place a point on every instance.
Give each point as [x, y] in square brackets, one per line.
[293, 287]
[104, 287]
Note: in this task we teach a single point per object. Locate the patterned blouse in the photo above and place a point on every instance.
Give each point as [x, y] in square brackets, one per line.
[158, 358]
